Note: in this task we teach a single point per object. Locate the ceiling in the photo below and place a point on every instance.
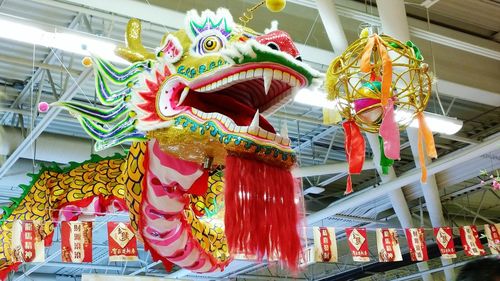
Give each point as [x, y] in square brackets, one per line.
[459, 39]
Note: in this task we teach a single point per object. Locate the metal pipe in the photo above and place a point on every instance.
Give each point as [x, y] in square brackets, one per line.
[260, 277]
[475, 213]
[458, 138]
[327, 169]
[30, 63]
[449, 266]
[144, 269]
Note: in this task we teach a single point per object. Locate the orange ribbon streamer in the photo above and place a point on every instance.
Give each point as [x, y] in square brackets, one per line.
[425, 135]
[366, 66]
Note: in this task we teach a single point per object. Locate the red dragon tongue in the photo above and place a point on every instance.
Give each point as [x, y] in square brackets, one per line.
[262, 217]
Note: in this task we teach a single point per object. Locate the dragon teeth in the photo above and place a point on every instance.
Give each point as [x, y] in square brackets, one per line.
[267, 74]
[252, 129]
[183, 96]
[268, 79]
[255, 120]
[284, 130]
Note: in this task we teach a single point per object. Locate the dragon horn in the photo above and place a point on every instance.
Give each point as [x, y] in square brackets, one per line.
[134, 51]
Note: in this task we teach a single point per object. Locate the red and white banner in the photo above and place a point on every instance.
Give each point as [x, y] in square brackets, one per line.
[416, 244]
[470, 241]
[492, 232]
[444, 239]
[76, 241]
[388, 245]
[122, 242]
[27, 242]
[358, 244]
[325, 244]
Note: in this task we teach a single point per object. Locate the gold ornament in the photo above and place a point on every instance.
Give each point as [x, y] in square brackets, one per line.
[87, 62]
[272, 5]
[373, 70]
[275, 5]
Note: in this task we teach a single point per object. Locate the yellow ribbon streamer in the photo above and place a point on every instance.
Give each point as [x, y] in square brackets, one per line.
[331, 116]
[425, 135]
[366, 66]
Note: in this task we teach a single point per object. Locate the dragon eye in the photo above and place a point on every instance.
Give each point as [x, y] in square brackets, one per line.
[211, 44]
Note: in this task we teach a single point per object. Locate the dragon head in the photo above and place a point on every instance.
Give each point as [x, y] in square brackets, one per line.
[203, 97]
[204, 93]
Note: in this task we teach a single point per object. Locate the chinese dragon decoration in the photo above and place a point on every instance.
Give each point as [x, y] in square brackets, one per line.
[206, 175]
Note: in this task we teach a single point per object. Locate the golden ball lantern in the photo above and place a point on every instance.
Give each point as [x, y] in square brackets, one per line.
[358, 89]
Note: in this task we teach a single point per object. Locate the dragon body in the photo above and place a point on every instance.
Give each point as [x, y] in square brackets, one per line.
[206, 175]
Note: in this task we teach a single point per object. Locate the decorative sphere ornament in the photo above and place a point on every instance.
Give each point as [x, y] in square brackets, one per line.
[380, 85]
[275, 5]
[87, 62]
[358, 88]
[43, 107]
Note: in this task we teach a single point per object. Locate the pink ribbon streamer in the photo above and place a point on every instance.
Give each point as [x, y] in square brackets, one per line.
[389, 131]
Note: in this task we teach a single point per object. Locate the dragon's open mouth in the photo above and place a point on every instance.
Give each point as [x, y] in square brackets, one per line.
[237, 96]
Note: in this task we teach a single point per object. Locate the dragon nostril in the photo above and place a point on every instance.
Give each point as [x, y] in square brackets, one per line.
[155, 181]
[299, 58]
[273, 46]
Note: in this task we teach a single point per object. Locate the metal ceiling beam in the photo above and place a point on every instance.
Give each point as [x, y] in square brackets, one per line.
[474, 213]
[145, 269]
[445, 267]
[171, 19]
[467, 93]
[69, 148]
[369, 194]
[30, 63]
[175, 20]
[164, 19]
[40, 127]
[49, 59]
[327, 169]
[439, 38]
[310, 142]
[262, 277]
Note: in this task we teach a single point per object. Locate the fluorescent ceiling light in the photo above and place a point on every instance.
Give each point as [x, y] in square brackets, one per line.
[71, 42]
[314, 190]
[437, 123]
[314, 98]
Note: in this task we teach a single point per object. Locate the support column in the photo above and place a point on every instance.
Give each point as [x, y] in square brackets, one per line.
[398, 200]
[394, 23]
[333, 27]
